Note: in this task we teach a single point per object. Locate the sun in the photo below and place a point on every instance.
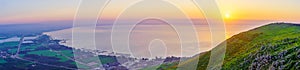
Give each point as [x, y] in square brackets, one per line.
[227, 15]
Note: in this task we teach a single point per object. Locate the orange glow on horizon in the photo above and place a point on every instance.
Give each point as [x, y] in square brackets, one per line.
[231, 10]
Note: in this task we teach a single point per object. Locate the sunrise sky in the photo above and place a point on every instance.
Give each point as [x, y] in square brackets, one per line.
[19, 11]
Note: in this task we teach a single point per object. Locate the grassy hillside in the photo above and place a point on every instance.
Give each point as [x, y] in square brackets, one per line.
[273, 46]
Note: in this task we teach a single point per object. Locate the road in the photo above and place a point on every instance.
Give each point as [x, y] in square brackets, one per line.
[19, 45]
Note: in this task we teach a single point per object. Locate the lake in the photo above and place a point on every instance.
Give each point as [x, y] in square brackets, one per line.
[153, 40]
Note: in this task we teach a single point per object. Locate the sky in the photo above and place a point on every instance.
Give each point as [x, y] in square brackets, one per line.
[36, 10]
[19, 11]
[262, 9]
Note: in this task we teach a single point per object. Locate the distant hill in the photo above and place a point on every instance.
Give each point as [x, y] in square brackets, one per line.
[32, 28]
[273, 46]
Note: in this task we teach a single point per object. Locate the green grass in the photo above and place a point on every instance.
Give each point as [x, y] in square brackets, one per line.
[12, 51]
[105, 60]
[243, 49]
[29, 47]
[68, 53]
[21, 55]
[2, 61]
[49, 54]
[9, 44]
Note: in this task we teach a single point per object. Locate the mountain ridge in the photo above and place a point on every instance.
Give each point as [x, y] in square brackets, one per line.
[272, 46]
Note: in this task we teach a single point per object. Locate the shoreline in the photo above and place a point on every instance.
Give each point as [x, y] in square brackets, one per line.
[107, 52]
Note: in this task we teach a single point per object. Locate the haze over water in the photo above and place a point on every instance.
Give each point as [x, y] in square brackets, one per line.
[143, 48]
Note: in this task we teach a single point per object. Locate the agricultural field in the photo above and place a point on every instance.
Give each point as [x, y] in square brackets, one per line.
[43, 53]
